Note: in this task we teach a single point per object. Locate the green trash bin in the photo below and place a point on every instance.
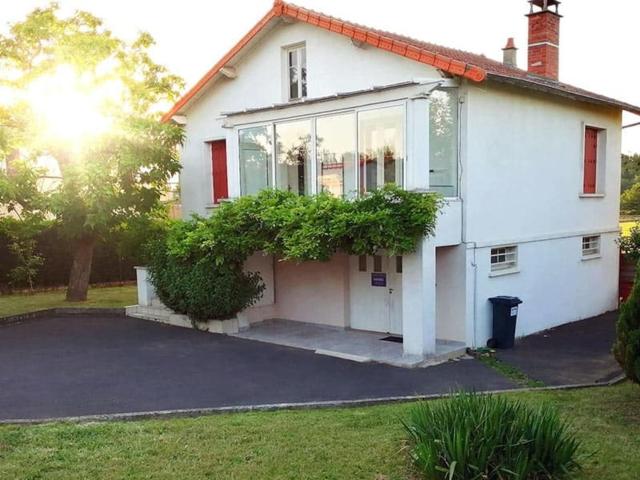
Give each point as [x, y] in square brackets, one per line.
[505, 316]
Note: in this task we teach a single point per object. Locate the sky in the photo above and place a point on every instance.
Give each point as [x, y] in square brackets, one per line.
[598, 47]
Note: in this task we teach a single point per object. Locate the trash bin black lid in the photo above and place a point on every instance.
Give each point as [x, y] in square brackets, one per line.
[505, 300]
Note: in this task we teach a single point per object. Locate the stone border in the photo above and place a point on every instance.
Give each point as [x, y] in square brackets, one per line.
[365, 402]
[61, 312]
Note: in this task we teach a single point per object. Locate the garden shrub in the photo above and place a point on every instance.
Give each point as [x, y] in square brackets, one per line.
[286, 225]
[202, 289]
[630, 244]
[472, 436]
[627, 346]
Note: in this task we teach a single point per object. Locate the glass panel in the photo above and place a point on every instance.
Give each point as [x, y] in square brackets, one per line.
[297, 66]
[335, 145]
[303, 70]
[293, 74]
[293, 141]
[443, 142]
[256, 147]
[381, 147]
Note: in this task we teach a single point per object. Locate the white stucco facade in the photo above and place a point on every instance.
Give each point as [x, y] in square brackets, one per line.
[519, 169]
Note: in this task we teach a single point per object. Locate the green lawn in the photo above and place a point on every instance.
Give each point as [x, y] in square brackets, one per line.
[98, 297]
[359, 443]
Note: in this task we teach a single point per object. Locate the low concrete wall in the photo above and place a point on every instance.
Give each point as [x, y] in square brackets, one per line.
[61, 312]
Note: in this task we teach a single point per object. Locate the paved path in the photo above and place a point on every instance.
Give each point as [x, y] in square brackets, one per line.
[57, 367]
[575, 353]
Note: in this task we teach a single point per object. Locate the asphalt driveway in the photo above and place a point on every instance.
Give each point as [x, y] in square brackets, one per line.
[77, 366]
[571, 354]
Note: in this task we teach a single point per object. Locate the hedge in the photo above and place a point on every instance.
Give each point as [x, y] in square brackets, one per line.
[109, 264]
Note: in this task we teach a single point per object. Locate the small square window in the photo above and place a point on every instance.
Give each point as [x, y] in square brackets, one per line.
[297, 72]
[591, 246]
[504, 258]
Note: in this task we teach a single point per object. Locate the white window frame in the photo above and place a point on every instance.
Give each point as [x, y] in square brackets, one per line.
[591, 247]
[509, 265]
[313, 167]
[297, 49]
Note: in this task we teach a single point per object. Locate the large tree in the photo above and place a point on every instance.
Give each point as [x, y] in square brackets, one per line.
[85, 105]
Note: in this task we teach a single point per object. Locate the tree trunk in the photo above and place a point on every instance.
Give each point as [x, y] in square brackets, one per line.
[80, 269]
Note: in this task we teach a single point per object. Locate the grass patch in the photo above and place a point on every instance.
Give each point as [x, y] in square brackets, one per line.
[487, 356]
[358, 443]
[98, 297]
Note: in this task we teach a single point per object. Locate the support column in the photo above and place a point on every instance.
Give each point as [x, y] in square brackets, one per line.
[419, 300]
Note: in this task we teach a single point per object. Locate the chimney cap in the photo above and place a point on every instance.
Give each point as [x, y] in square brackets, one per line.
[544, 5]
[511, 44]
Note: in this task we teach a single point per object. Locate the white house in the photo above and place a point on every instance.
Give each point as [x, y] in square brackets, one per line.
[530, 168]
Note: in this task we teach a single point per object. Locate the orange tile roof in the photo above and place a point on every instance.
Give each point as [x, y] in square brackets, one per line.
[456, 62]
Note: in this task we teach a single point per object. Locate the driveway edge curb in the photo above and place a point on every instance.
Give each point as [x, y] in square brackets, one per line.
[197, 412]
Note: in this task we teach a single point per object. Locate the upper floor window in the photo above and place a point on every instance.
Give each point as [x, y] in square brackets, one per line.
[318, 154]
[381, 147]
[443, 142]
[335, 153]
[593, 166]
[297, 72]
[256, 151]
[293, 156]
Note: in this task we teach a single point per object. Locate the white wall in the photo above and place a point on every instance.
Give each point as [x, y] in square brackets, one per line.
[521, 184]
[523, 166]
[450, 293]
[334, 65]
[313, 292]
[555, 284]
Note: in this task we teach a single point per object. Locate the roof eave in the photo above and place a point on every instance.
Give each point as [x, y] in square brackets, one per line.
[540, 87]
[350, 30]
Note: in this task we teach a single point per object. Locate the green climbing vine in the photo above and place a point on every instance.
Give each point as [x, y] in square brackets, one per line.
[196, 266]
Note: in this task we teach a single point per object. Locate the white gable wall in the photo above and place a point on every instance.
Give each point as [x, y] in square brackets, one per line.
[334, 65]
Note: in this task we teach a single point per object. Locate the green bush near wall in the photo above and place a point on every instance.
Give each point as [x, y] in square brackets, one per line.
[627, 346]
[193, 257]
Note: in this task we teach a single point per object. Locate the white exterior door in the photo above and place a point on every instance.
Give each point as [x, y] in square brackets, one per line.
[376, 294]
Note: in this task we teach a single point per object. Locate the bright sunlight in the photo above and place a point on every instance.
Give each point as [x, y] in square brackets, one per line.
[70, 106]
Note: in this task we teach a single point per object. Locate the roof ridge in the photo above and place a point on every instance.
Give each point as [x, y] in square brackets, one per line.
[462, 63]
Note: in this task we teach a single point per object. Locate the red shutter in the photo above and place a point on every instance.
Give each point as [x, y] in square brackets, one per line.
[590, 159]
[219, 169]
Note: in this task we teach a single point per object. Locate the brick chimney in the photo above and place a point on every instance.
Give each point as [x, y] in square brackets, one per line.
[544, 38]
[510, 53]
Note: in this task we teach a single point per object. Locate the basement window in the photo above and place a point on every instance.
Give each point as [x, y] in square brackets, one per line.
[297, 72]
[504, 259]
[591, 246]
